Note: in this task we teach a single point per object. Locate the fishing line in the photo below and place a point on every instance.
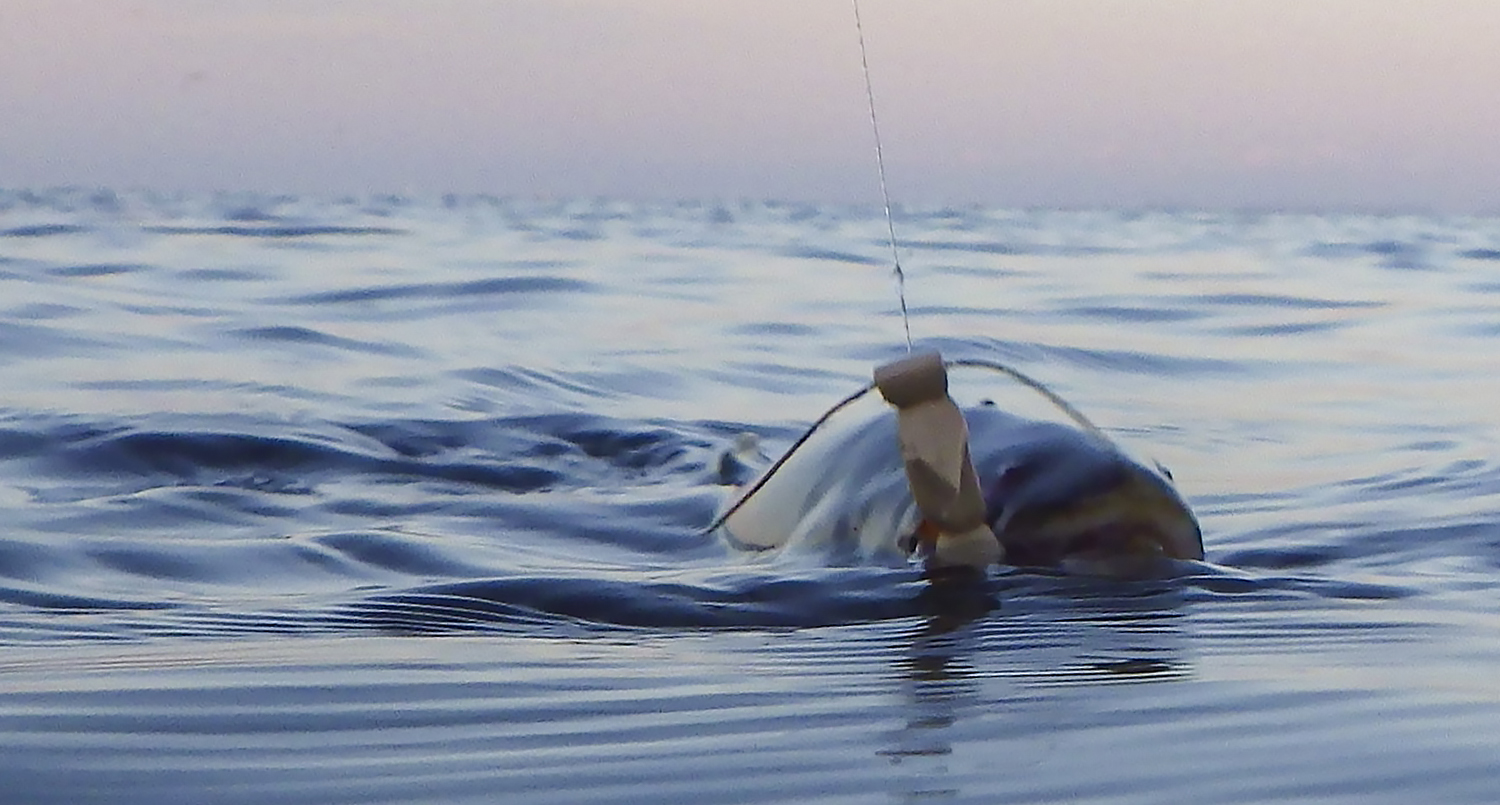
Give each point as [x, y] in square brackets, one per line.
[1017, 375]
[890, 224]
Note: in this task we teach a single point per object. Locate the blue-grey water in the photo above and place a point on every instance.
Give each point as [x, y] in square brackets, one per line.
[399, 500]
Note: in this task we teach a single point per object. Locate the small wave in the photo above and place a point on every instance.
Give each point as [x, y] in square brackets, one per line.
[992, 248]
[1283, 558]
[1143, 363]
[1393, 254]
[977, 247]
[527, 382]
[398, 553]
[774, 328]
[1290, 328]
[30, 341]
[183, 454]
[498, 286]
[41, 311]
[1234, 579]
[1281, 301]
[775, 598]
[97, 270]
[744, 602]
[309, 336]
[1132, 314]
[62, 601]
[780, 378]
[43, 230]
[128, 460]
[250, 214]
[577, 234]
[282, 231]
[222, 274]
[831, 255]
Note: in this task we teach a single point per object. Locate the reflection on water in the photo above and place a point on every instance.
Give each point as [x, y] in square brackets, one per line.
[937, 684]
[973, 660]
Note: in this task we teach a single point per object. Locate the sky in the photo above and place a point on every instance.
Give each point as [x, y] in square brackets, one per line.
[1378, 105]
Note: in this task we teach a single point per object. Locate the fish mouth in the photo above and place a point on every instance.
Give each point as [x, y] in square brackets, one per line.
[1138, 518]
[1128, 539]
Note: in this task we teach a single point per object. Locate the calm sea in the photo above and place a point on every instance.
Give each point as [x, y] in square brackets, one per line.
[398, 500]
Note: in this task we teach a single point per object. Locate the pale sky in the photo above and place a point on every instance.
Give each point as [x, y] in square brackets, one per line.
[1281, 104]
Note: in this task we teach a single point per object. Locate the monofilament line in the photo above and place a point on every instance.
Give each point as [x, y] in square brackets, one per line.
[885, 196]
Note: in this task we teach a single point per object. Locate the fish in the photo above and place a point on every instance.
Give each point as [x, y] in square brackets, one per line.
[1056, 497]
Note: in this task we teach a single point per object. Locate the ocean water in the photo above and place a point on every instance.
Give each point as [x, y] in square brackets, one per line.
[400, 500]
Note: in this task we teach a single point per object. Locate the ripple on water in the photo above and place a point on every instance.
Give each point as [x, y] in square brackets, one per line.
[274, 501]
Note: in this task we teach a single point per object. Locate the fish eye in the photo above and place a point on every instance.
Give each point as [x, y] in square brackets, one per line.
[1012, 475]
[999, 489]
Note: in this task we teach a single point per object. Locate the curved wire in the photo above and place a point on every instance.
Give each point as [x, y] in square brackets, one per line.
[1036, 385]
[766, 476]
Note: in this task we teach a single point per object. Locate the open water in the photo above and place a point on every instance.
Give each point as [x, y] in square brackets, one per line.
[399, 500]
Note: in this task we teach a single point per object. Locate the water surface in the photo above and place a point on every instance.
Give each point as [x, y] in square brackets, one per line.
[400, 500]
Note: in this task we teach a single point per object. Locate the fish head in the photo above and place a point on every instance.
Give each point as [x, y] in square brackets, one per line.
[1076, 501]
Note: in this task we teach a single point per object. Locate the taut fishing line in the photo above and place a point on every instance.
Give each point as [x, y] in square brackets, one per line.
[885, 196]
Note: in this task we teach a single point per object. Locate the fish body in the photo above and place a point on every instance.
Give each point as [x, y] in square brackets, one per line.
[1055, 497]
